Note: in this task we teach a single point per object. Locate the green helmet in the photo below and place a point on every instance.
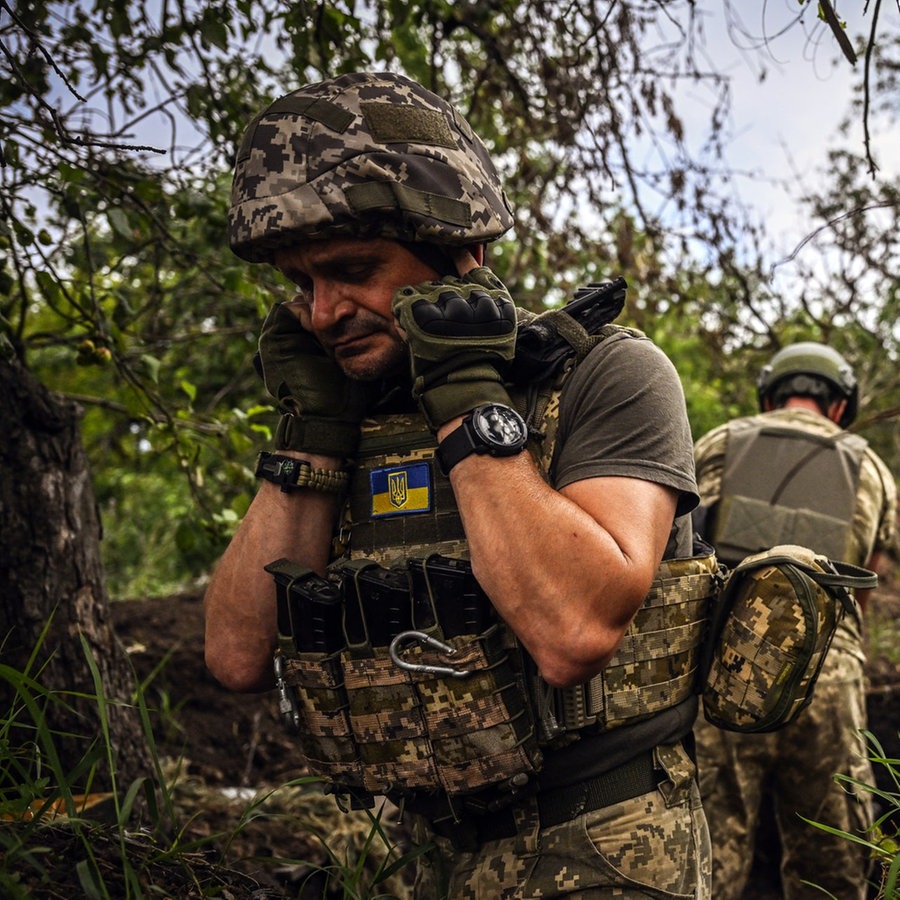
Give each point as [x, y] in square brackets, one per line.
[362, 155]
[818, 362]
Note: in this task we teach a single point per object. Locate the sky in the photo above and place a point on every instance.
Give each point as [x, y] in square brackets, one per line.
[784, 124]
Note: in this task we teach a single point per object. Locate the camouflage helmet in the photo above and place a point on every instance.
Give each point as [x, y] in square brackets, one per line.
[362, 155]
[817, 361]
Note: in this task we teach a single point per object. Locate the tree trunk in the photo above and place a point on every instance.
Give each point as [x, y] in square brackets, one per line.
[52, 578]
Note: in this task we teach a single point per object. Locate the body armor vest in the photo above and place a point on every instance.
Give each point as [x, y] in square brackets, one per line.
[425, 688]
[808, 501]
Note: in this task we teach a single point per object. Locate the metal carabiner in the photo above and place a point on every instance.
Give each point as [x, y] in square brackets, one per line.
[428, 641]
[287, 703]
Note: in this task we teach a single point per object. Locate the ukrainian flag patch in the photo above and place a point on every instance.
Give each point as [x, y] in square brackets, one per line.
[401, 489]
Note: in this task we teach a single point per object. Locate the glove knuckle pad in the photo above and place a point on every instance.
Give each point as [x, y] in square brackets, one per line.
[427, 314]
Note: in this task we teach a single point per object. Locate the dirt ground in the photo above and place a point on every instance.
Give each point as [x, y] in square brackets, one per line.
[235, 743]
[231, 758]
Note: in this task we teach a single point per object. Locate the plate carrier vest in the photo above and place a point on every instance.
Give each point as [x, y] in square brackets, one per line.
[811, 505]
[421, 687]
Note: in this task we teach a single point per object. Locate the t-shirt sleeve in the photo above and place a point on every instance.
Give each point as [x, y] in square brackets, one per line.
[622, 413]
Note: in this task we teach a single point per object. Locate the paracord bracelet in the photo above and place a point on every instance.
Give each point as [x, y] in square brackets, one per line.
[295, 474]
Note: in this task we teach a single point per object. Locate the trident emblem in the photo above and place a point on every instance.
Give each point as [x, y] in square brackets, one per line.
[397, 488]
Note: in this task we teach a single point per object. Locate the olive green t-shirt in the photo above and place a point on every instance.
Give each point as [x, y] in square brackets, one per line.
[622, 413]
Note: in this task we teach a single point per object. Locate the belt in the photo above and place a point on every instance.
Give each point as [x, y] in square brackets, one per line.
[633, 778]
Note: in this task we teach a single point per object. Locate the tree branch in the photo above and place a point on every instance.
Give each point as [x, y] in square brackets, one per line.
[867, 88]
[834, 23]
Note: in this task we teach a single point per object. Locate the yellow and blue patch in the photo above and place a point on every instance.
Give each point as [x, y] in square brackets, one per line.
[400, 490]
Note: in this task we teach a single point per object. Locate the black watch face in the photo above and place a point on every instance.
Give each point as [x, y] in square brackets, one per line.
[500, 426]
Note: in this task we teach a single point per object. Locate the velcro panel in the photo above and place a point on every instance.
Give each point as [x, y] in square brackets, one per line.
[745, 525]
[391, 123]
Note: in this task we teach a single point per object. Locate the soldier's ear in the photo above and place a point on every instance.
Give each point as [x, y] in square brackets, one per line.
[467, 258]
[836, 410]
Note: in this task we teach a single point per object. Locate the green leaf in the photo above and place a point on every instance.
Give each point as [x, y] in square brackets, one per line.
[119, 222]
[24, 235]
[151, 367]
[49, 286]
[215, 32]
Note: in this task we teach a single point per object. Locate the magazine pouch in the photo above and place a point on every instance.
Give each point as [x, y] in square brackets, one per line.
[394, 696]
[313, 683]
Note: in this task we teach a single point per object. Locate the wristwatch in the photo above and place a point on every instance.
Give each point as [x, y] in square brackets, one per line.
[295, 474]
[494, 428]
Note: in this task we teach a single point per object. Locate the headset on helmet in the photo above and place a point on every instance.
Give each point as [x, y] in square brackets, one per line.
[362, 155]
[815, 360]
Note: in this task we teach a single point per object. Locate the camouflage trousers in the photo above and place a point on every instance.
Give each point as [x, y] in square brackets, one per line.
[655, 845]
[797, 764]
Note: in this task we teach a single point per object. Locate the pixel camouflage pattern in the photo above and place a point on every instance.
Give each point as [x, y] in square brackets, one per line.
[362, 155]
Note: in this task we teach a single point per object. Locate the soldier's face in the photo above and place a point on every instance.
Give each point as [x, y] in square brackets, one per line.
[346, 286]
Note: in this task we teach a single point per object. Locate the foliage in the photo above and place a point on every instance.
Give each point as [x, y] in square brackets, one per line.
[36, 787]
[58, 839]
[883, 840]
[116, 286]
[118, 124]
[845, 290]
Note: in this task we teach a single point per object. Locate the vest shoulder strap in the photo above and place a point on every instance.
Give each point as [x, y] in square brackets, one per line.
[538, 403]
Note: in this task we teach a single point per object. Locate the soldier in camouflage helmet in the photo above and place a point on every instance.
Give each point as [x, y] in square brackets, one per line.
[470, 534]
[792, 474]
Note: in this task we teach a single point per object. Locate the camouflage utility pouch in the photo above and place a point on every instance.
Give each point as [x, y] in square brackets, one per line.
[430, 715]
[314, 705]
[769, 632]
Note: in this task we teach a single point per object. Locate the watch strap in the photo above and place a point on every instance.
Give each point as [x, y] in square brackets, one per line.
[292, 474]
[456, 446]
[467, 439]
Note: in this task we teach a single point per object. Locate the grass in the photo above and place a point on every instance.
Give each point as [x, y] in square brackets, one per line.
[883, 839]
[151, 838]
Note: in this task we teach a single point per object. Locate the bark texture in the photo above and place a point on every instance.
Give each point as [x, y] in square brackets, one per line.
[52, 582]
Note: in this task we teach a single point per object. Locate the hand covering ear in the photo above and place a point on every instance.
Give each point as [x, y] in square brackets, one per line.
[321, 406]
[461, 333]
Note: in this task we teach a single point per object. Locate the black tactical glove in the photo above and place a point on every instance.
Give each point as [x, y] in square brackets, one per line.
[322, 407]
[461, 334]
